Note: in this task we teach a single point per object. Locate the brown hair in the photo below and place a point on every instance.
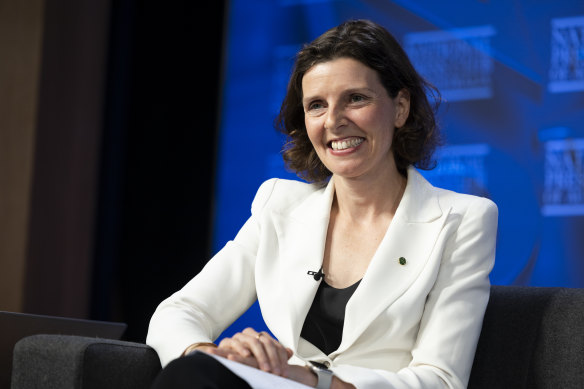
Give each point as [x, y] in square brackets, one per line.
[369, 43]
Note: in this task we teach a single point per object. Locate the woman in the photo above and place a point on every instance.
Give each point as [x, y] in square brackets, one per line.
[368, 269]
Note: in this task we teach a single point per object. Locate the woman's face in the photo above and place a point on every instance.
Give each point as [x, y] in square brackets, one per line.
[350, 118]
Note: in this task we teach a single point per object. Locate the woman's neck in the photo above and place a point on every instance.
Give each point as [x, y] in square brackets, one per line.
[362, 199]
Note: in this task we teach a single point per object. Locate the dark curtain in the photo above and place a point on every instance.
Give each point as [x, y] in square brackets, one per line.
[158, 155]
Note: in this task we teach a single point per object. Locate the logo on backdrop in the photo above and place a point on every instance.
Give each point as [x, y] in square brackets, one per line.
[563, 192]
[567, 55]
[458, 61]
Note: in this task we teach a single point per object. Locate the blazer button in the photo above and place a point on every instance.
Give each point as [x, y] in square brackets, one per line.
[402, 261]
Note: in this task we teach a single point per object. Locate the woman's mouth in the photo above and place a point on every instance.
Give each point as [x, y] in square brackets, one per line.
[345, 144]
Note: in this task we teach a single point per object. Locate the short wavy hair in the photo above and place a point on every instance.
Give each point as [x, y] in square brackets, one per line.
[371, 44]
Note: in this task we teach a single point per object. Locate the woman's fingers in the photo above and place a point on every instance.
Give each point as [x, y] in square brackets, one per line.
[268, 353]
[235, 345]
[251, 339]
[250, 361]
[220, 352]
[276, 354]
[280, 355]
[229, 354]
[256, 349]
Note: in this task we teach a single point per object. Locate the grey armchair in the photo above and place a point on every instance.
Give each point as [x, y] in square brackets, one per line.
[531, 338]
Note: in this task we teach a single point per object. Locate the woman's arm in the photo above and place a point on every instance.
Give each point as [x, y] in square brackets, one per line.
[216, 297]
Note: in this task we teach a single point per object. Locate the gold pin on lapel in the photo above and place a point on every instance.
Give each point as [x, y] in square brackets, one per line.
[402, 261]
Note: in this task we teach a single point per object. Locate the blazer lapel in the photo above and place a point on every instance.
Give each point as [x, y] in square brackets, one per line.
[411, 235]
[301, 233]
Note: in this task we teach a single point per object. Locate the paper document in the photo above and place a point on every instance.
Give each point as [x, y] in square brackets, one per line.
[258, 379]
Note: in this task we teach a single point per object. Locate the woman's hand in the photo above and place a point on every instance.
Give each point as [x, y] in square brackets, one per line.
[256, 349]
[260, 350]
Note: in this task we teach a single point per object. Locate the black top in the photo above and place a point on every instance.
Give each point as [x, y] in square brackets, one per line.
[323, 326]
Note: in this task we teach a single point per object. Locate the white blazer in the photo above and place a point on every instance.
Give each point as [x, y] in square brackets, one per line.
[406, 326]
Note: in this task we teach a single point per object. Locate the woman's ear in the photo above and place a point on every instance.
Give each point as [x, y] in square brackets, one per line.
[402, 107]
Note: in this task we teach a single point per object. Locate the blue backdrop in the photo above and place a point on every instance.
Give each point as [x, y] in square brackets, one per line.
[511, 73]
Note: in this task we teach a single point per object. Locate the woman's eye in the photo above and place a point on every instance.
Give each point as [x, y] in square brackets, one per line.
[315, 105]
[357, 98]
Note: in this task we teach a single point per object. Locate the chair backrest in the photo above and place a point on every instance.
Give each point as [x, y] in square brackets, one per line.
[532, 337]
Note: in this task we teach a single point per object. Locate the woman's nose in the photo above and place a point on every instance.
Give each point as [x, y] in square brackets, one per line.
[335, 118]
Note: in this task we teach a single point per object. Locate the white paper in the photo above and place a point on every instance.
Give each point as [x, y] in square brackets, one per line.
[257, 378]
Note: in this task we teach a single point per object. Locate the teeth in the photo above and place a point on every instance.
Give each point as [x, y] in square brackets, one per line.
[346, 144]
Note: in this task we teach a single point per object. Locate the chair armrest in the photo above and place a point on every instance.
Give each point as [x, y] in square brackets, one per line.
[532, 337]
[74, 362]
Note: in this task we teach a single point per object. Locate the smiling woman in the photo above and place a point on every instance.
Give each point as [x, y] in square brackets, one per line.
[403, 267]
[388, 71]
[350, 118]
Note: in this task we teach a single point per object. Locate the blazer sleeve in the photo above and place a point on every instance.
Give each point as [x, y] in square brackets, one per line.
[214, 298]
[453, 313]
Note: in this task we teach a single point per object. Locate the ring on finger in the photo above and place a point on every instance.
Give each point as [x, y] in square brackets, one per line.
[259, 335]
